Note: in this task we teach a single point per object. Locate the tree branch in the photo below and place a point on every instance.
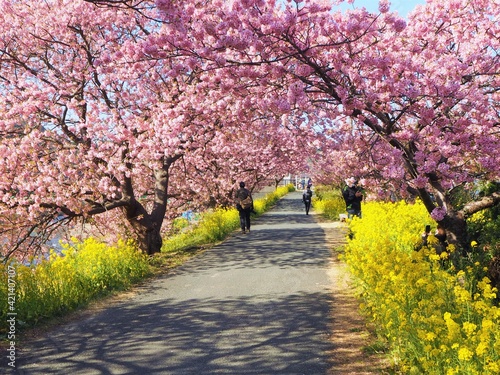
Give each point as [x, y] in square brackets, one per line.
[479, 205]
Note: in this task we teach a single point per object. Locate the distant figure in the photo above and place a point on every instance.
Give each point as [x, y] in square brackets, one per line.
[309, 183]
[353, 196]
[244, 205]
[306, 198]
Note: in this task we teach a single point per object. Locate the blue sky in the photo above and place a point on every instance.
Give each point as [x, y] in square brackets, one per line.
[403, 7]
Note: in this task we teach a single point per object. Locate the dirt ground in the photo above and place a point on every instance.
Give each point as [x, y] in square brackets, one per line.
[356, 350]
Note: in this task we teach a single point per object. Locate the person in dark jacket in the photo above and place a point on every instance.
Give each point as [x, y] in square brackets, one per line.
[353, 196]
[244, 210]
[306, 198]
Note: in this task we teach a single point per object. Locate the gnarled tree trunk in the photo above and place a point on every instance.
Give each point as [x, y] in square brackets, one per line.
[455, 225]
[146, 229]
[150, 240]
[147, 226]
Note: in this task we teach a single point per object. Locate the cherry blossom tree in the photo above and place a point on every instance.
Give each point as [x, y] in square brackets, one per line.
[73, 122]
[123, 106]
[420, 102]
[411, 105]
[98, 123]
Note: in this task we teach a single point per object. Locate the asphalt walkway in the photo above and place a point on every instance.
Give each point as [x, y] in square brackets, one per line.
[259, 303]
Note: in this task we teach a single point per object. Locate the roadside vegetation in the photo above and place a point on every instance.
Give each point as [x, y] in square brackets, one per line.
[88, 270]
[328, 202]
[436, 311]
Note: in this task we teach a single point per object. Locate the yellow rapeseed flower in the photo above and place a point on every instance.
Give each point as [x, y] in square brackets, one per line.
[481, 349]
[410, 297]
[469, 328]
[487, 324]
[493, 367]
[443, 255]
[462, 295]
[430, 336]
[464, 354]
[434, 257]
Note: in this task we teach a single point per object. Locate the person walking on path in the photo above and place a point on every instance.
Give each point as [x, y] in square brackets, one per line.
[244, 205]
[353, 196]
[306, 198]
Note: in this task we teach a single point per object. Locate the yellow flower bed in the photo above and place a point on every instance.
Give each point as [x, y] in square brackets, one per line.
[436, 321]
[61, 283]
[328, 203]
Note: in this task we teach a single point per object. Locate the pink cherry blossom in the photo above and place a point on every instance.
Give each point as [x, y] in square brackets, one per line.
[438, 213]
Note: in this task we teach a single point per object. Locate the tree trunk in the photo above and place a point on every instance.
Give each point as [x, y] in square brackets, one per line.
[146, 225]
[453, 223]
[151, 241]
[146, 229]
[455, 226]
[147, 235]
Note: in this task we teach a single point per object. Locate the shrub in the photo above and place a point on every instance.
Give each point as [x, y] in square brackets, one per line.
[329, 203]
[329, 208]
[484, 228]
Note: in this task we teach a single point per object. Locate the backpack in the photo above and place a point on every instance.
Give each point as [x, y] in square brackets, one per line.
[247, 202]
[307, 196]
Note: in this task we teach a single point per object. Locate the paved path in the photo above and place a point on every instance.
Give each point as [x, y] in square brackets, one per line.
[259, 303]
